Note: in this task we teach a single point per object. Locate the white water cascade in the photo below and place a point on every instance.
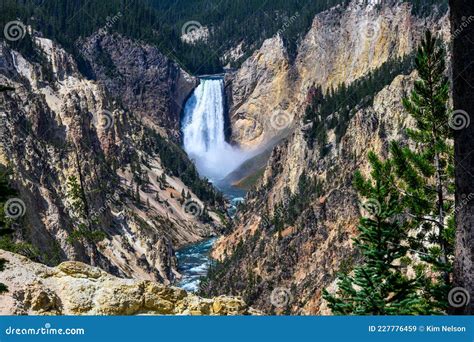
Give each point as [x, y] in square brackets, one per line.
[203, 132]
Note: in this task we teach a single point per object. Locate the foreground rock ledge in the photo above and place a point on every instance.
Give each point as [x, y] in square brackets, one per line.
[74, 288]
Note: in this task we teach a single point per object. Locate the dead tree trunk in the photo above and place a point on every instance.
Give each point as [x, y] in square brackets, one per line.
[462, 29]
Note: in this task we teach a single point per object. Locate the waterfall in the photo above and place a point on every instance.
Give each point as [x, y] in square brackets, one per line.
[203, 131]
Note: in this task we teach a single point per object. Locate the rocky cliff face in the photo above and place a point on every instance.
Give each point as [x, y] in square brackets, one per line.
[106, 133]
[74, 288]
[259, 92]
[343, 44]
[284, 270]
[143, 78]
[114, 134]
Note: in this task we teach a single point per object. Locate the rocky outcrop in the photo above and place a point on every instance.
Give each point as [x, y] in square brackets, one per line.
[74, 288]
[343, 44]
[58, 124]
[260, 96]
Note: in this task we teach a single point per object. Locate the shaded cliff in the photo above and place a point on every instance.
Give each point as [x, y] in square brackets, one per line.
[141, 77]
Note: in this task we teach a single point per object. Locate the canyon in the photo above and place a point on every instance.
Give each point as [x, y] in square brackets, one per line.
[126, 133]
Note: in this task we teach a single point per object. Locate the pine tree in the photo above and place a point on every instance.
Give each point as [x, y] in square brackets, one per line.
[84, 229]
[426, 172]
[5, 193]
[4, 88]
[76, 196]
[163, 181]
[379, 285]
[137, 194]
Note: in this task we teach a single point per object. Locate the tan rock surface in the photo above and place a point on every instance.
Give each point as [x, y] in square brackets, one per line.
[342, 45]
[74, 288]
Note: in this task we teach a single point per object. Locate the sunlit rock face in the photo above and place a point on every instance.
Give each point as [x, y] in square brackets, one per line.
[344, 43]
[260, 96]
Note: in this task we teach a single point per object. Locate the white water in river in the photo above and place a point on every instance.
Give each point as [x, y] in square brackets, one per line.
[203, 132]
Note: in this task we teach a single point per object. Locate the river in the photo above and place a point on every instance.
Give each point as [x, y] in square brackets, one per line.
[193, 263]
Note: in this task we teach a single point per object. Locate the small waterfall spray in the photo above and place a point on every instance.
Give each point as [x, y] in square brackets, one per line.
[203, 131]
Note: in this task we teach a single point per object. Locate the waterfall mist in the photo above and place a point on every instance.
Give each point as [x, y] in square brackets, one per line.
[203, 132]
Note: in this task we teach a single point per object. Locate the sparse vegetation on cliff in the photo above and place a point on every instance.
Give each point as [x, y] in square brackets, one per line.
[333, 110]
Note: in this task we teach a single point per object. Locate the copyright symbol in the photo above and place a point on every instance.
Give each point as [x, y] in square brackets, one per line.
[421, 328]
